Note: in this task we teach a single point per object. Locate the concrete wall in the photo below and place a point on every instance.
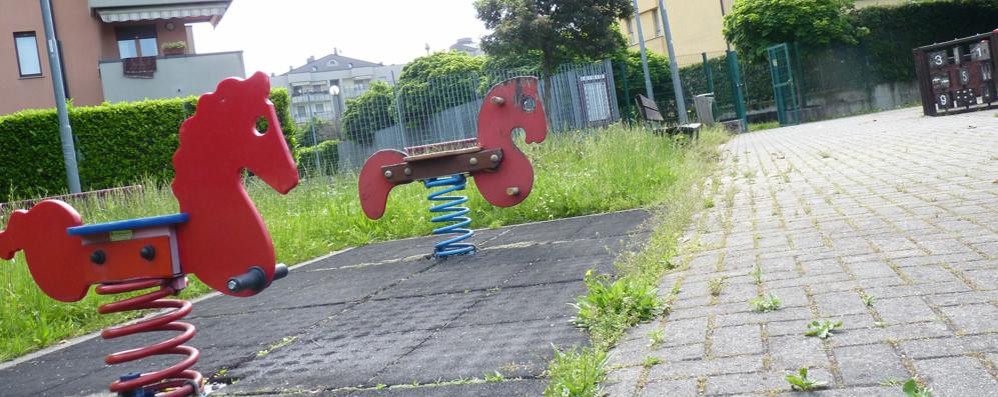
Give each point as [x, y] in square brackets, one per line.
[77, 32]
[177, 76]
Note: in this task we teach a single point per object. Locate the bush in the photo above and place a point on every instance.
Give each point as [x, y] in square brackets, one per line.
[369, 112]
[896, 30]
[329, 158]
[754, 25]
[116, 144]
[610, 307]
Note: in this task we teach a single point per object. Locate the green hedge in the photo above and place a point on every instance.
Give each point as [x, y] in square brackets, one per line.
[329, 158]
[116, 144]
[896, 30]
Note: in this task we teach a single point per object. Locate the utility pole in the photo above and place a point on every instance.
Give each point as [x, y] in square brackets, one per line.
[65, 130]
[674, 66]
[644, 53]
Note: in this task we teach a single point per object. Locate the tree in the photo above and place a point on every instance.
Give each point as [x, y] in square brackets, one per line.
[559, 30]
[438, 81]
[754, 25]
[371, 111]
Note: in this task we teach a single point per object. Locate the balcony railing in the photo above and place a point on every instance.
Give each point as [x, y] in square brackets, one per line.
[175, 76]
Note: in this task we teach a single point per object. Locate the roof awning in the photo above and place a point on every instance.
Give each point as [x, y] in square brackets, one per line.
[210, 11]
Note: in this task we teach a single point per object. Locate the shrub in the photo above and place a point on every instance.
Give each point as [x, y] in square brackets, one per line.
[329, 158]
[117, 144]
[369, 112]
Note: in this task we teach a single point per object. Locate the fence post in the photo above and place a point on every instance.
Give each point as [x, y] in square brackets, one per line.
[736, 88]
[801, 94]
[627, 92]
[707, 72]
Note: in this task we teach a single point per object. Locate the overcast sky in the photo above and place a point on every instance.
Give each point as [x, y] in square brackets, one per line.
[276, 34]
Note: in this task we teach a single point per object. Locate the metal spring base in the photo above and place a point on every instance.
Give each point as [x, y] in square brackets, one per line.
[175, 381]
[453, 213]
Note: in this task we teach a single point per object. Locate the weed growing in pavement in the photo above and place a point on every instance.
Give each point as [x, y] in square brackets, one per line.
[495, 377]
[822, 329]
[655, 338]
[716, 285]
[576, 372]
[801, 382]
[757, 275]
[767, 303]
[287, 340]
[868, 300]
[708, 203]
[651, 362]
[823, 154]
[611, 306]
[912, 389]
[891, 382]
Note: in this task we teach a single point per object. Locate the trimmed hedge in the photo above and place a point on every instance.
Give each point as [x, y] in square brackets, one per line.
[117, 144]
[329, 158]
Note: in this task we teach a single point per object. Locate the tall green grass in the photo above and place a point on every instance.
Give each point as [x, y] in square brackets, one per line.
[576, 174]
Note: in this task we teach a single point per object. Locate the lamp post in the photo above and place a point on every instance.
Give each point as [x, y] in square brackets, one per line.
[334, 91]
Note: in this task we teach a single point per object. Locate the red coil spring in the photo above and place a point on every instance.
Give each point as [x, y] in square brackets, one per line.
[177, 380]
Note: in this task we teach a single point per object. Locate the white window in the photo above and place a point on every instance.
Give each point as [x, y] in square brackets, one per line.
[300, 111]
[27, 54]
[320, 108]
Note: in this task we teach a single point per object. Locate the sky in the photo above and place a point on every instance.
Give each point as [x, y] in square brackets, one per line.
[274, 35]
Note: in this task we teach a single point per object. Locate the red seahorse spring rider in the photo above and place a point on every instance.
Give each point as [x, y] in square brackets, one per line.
[502, 172]
[218, 235]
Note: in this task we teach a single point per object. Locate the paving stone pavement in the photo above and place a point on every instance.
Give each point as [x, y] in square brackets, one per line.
[384, 315]
[887, 222]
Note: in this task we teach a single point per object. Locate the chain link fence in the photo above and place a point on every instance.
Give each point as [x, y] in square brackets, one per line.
[395, 116]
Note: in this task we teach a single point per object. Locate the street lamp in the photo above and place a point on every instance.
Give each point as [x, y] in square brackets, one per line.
[334, 91]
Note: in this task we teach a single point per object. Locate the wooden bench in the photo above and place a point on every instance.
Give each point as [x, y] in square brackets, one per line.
[648, 110]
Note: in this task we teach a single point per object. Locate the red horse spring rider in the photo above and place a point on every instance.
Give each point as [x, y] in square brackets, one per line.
[219, 236]
[502, 172]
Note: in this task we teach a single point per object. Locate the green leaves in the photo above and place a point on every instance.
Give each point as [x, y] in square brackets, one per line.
[754, 25]
[767, 303]
[561, 30]
[912, 389]
[822, 329]
[802, 383]
[612, 306]
[117, 144]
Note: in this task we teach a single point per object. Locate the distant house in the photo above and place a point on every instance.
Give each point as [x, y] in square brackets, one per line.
[468, 46]
[112, 50]
[309, 84]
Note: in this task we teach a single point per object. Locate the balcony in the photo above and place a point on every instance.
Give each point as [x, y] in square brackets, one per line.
[175, 76]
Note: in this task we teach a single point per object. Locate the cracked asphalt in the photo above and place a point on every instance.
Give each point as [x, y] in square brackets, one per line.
[382, 320]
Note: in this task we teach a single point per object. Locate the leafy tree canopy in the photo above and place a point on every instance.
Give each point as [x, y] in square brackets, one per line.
[557, 30]
[369, 112]
[754, 25]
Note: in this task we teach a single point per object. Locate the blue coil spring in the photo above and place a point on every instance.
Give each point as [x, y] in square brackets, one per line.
[453, 213]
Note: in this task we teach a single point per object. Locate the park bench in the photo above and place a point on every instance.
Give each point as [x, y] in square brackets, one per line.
[649, 113]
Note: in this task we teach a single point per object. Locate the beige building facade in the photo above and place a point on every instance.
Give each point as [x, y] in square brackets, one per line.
[111, 50]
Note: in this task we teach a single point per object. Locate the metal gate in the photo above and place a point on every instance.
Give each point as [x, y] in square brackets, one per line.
[784, 89]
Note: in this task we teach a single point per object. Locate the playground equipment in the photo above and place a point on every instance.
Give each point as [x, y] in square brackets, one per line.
[958, 75]
[502, 172]
[219, 235]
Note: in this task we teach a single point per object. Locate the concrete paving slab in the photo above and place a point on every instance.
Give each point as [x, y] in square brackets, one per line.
[382, 314]
[884, 221]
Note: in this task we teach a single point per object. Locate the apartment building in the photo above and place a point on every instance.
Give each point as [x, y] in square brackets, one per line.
[111, 50]
[696, 26]
[320, 87]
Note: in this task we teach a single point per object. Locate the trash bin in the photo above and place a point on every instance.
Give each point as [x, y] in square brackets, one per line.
[704, 104]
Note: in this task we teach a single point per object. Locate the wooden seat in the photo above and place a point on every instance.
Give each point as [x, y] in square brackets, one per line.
[648, 110]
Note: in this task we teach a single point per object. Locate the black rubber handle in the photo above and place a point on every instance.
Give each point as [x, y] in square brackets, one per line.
[255, 279]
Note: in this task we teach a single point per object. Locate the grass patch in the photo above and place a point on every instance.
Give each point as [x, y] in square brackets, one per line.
[576, 372]
[767, 303]
[607, 318]
[764, 126]
[576, 174]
